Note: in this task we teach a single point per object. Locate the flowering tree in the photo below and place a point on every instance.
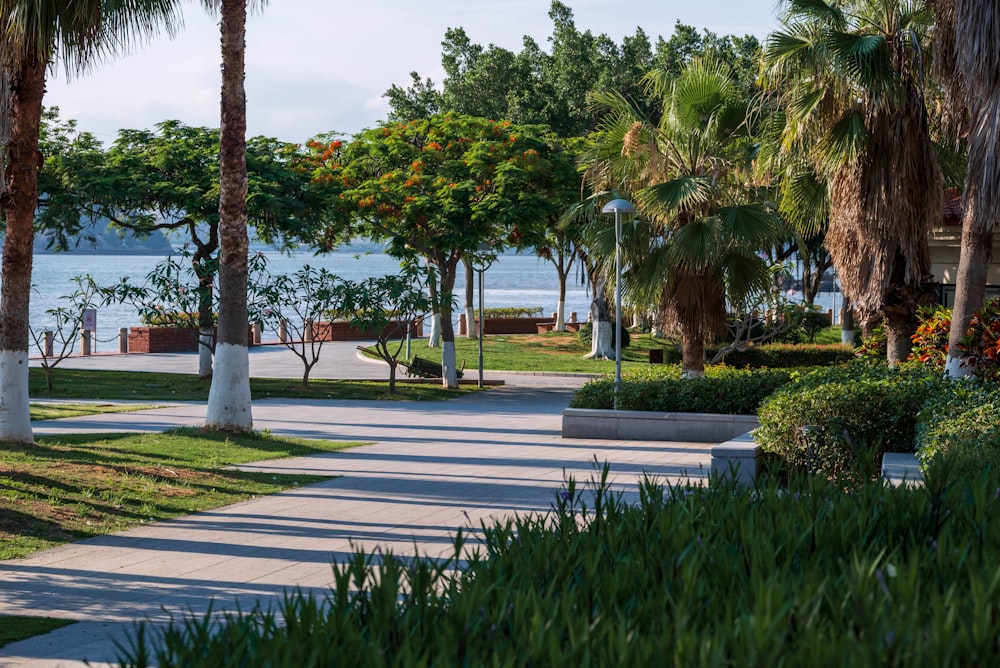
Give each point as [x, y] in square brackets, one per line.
[440, 187]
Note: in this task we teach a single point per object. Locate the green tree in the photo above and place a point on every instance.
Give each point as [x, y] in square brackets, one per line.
[169, 179]
[850, 77]
[694, 246]
[440, 187]
[34, 35]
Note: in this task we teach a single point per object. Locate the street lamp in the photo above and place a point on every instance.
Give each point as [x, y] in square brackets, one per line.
[480, 262]
[618, 207]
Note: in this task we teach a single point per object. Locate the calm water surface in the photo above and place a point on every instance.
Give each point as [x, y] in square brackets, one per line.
[513, 280]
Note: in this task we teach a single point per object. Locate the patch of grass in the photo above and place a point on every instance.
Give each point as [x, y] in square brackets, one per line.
[56, 411]
[147, 386]
[13, 628]
[555, 352]
[70, 487]
[831, 335]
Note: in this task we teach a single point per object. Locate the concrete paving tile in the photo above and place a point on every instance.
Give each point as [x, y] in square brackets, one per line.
[430, 471]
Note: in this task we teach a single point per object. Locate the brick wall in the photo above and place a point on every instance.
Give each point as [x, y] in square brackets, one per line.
[342, 331]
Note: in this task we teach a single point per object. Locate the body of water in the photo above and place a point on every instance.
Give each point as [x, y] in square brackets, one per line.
[513, 280]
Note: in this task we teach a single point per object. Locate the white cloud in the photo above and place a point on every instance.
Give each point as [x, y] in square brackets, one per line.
[316, 65]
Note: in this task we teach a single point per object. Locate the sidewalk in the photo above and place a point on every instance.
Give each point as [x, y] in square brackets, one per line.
[431, 469]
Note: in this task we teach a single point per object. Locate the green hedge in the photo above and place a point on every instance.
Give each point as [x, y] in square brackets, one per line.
[839, 421]
[779, 355]
[690, 577]
[661, 389]
[959, 428]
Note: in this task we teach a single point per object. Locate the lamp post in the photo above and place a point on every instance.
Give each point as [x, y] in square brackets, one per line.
[480, 263]
[618, 207]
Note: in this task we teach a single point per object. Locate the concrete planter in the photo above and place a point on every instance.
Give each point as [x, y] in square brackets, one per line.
[650, 426]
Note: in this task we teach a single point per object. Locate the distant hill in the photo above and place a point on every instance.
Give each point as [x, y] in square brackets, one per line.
[103, 239]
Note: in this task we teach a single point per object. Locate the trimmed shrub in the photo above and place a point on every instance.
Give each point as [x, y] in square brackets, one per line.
[512, 312]
[839, 421]
[690, 577]
[959, 428]
[778, 355]
[661, 389]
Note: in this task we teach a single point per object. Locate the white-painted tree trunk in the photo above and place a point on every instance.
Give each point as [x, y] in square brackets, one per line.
[205, 353]
[449, 371]
[15, 414]
[600, 342]
[434, 337]
[693, 373]
[229, 397]
[561, 316]
[954, 368]
[847, 337]
[470, 323]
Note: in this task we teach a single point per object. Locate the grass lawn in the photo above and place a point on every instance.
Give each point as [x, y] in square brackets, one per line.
[67, 488]
[145, 386]
[56, 411]
[13, 629]
[555, 351]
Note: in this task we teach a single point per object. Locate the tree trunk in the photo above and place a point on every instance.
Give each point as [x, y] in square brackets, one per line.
[846, 323]
[449, 372]
[205, 337]
[27, 86]
[434, 335]
[970, 289]
[981, 204]
[470, 298]
[692, 351]
[601, 345]
[229, 403]
[899, 327]
[561, 307]
[202, 263]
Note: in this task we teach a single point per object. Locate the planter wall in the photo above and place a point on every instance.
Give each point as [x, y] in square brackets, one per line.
[167, 340]
[651, 426]
[161, 340]
[342, 331]
[511, 325]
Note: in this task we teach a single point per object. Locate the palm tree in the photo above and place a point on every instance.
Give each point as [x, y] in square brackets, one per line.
[966, 38]
[229, 403]
[692, 250]
[850, 77]
[34, 35]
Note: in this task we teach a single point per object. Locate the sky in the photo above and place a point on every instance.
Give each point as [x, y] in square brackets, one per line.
[316, 66]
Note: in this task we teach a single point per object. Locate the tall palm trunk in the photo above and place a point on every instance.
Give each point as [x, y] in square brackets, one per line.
[27, 86]
[968, 62]
[229, 404]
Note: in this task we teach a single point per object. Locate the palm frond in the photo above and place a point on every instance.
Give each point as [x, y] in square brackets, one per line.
[747, 276]
[698, 245]
[681, 194]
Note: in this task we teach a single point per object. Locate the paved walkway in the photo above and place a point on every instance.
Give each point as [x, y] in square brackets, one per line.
[431, 469]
